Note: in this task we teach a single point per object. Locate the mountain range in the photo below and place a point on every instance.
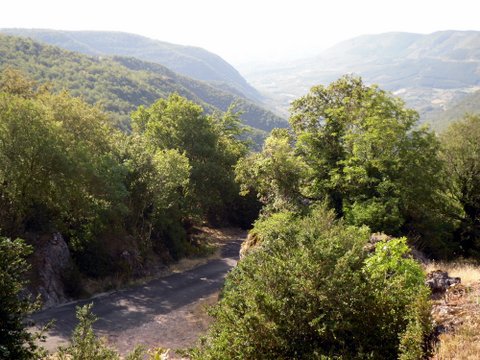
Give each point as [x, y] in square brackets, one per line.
[121, 84]
[437, 74]
[433, 73]
[193, 62]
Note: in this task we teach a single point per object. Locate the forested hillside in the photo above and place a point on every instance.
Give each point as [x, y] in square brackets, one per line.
[65, 168]
[120, 84]
[430, 72]
[190, 61]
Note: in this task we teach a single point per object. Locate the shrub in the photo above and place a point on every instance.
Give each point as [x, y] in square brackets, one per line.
[15, 341]
[314, 292]
[85, 345]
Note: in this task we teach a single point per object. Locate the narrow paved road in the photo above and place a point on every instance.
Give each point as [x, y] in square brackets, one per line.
[159, 313]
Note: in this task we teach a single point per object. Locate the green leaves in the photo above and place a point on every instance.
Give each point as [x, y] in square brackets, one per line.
[311, 291]
[15, 341]
[85, 345]
[276, 174]
[211, 145]
[365, 156]
[461, 156]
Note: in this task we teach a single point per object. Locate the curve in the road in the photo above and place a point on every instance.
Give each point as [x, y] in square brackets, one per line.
[132, 307]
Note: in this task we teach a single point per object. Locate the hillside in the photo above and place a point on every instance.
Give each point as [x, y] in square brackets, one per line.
[120, 84]
[190, 61]
[431, 72]
[470, 104]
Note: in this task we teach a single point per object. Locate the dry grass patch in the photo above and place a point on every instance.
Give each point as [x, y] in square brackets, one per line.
[461, 341]
[467, 271]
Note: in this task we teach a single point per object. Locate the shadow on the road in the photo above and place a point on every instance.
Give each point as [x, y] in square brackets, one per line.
[132, 307]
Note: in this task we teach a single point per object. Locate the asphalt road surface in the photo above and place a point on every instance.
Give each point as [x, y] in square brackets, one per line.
[161, 312]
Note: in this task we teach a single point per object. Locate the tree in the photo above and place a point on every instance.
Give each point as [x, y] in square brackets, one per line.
[461, 156]
[57, 164]
[30, 158]
[276, 174]
[366, 156]
[209, 142]
[16, 342]
[157, 182]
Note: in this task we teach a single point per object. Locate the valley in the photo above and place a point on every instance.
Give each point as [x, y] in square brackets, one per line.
[133, 169]
[433, 73]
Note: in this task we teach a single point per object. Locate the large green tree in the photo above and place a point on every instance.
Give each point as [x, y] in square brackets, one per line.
[366, 155]
[210, 143]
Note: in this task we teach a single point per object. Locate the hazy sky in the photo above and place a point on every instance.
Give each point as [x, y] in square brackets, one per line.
[246, 30]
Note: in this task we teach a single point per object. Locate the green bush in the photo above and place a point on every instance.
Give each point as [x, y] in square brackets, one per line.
[313, 292]
[15, 341]
[85, 345]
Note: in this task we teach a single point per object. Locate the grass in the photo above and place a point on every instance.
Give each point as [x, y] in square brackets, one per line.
[464, 343]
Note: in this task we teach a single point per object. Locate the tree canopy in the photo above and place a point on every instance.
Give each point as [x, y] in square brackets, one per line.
[358, 148]
[461, 156]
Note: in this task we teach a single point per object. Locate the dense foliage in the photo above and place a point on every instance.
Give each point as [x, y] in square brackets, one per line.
[64, 167]
[366, 157]
[357, 147]
[461, 156]
[15, 341]
[210, 143]
[313, 292]
[311, 289]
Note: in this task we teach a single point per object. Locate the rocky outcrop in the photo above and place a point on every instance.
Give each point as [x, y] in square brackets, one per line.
[439, 281]
[449, 299]
[50, 262]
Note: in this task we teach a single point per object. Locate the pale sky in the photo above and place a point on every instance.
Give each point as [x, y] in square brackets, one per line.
[246, 30]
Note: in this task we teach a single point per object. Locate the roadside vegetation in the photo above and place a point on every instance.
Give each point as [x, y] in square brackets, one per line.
[354, 162]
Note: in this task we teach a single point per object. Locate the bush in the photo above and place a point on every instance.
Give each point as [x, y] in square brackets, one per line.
[15, 341]
[314, 292]
[85, 345]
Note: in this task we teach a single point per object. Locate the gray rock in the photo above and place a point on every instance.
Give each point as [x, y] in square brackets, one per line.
[52, 258]
[439, 281]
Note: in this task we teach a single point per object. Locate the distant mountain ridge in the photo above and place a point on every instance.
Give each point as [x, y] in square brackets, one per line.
[430, 72]
[190, 61]
[121, 84]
